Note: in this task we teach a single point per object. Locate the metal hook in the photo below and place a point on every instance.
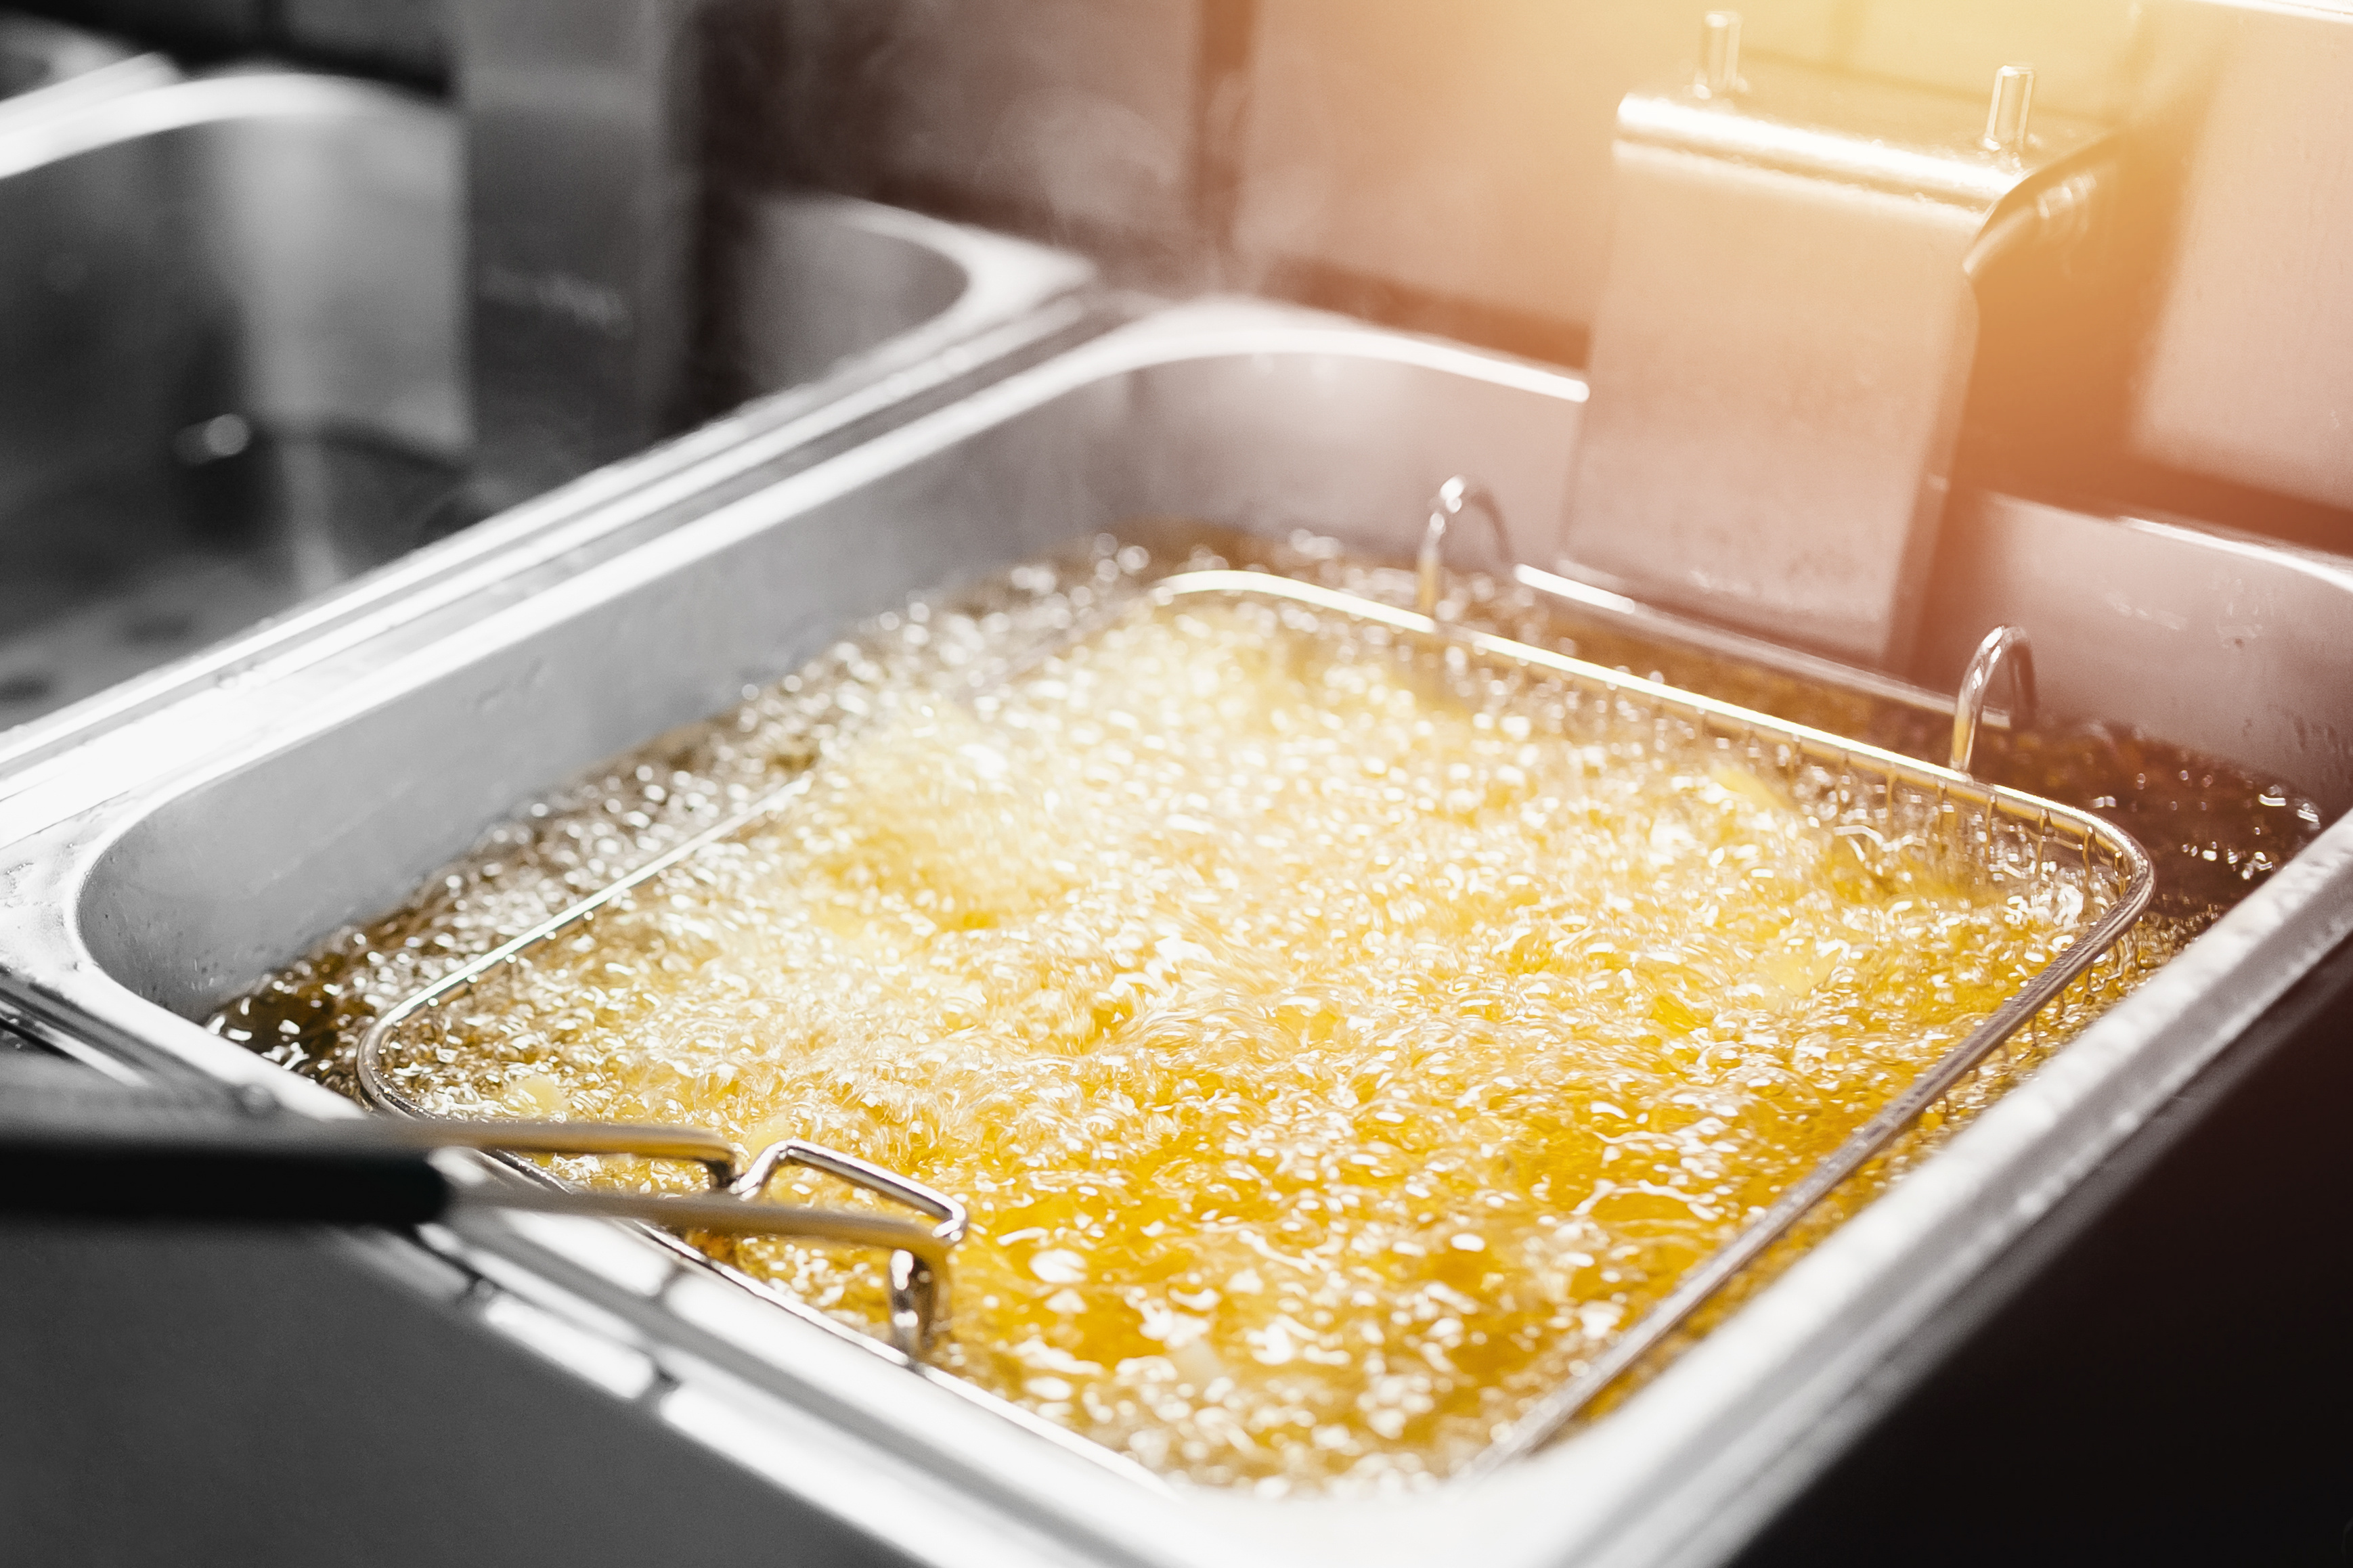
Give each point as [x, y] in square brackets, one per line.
[2002, 643]
[1453, 496]
[919, 1285]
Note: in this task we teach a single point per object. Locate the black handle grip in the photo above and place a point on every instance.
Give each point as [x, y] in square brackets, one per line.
[75, 1145]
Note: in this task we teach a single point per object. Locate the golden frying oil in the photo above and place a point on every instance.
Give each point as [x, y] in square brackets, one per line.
[1336, 1049]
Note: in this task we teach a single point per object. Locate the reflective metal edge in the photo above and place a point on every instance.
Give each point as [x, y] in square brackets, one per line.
[80, 67]
[1021, 300]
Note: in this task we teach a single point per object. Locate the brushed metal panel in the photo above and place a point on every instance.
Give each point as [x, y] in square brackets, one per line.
[2247, 374]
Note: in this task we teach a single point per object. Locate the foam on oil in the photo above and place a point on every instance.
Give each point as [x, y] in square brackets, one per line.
[1336, 1047]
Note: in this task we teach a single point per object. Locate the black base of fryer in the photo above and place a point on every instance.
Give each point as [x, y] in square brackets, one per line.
[2119, 1406]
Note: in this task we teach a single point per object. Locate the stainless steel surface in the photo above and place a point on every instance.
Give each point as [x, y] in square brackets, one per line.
[1080, 116]
[1610, 607]
[296, 784]
[620, 282]
[1621, 612]
[407, 37]
[2245, 372]
[35, 53]
[232, 347]
[229, 364]
[583, 198]
[1464, 151]
[1786, 469]
[822, 285]
[2211, 639]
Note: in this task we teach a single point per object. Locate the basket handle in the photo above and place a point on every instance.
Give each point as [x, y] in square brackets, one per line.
[919, 1276]
[76, 1145]
[2003, 645]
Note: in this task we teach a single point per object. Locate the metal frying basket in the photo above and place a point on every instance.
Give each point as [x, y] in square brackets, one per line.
[2016, 839]
[918, 1271]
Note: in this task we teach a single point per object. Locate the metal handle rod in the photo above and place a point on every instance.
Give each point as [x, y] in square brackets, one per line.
[77, 1146]
[880, 1180]
[918, 1271]
[2006, 116]
[722, 1216]
[1719, 68]
[693, 1145]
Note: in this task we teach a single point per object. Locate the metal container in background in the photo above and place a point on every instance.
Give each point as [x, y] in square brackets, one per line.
[233, 359]
[822, 284]
[343, 767]
[229, 360]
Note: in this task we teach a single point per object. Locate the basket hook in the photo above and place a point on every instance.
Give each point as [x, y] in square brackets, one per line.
[919, 1286]
[2003, 644]
[1430, 567]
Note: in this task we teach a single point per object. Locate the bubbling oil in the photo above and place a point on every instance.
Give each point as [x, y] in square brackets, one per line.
[1336, 1046]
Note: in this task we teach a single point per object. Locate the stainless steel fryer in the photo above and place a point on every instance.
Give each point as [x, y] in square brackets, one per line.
[297, 783]
[254, 388]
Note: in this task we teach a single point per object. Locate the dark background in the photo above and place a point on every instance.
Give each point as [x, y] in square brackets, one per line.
[2175, 1385]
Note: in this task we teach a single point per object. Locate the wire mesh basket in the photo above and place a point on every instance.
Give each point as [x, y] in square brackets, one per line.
[1880, 804]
